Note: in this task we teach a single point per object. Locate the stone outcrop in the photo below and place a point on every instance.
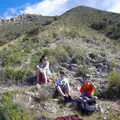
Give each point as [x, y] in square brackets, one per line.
[19, 19]
[12, 20]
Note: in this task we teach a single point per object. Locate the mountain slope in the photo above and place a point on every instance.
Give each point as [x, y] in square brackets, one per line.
[70, 32]
[15, 27]
[105, 22]
[76, 43]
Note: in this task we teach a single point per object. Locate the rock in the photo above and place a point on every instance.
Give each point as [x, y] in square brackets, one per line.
[71, 67]
[100, 62]
[49, 107]
[66, 65]
[74, 67]
[92, 41]
[102, 67]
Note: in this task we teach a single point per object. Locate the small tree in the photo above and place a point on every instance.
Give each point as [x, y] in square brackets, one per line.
[114, 84]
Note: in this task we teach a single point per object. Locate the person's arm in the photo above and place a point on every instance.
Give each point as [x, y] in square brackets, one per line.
[67, 85]
[81, 89]
[94, 85]
[46, 66]
[39, 67]
[56, 85]
[60, 90]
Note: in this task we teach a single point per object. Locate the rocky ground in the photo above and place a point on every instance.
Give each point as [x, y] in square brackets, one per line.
[47, 107]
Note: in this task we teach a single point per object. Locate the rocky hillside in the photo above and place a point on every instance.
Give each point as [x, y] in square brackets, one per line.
[81, 41]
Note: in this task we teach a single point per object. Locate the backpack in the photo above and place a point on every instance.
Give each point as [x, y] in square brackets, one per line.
[89, 106]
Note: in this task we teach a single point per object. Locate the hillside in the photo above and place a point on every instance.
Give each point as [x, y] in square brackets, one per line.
[15, 27]
[81, 41]
[104, 22]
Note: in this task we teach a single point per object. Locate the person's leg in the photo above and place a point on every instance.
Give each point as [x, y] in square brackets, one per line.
[45, 76]
[67, 89]
[38, 73]
[60, 91]
[67, 93]
[40, 77]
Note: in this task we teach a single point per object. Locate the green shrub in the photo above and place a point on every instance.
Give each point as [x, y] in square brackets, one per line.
[56, 18]
[45, 93]
[83, 70]
[113, 32]
[12, 59]
[98, 93]
[14, 74]
[33, 31]
[60, 54]
[93, 55]
[79, 56]
[98, 25]
[25, 39]
[35, 59]
[69, 49]
[28, 48]
[10, 110]
[71, 34]
[114, 84]
[47, 41]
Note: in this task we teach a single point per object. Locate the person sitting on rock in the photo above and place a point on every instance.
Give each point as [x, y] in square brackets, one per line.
[87, 90]
[43, 71]
[62, 86]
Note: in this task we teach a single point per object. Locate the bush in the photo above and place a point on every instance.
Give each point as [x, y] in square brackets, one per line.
[45, 93]
[98, 25]
[56, 18]
[14, 74]
[12, 59]
[113, 32]
[83, 70]
[114, 84]
[93, 55]
[60, 54]
[98, 93]
[25, 39]
[79, 56]
[69, 49]
[33, 31]
[71, 34]
[35, 59]
[10, 110]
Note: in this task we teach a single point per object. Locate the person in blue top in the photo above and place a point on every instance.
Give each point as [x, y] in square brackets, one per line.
[62, 86]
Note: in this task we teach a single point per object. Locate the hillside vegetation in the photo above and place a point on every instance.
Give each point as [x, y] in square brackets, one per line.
[12, 30]
[81, 41]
